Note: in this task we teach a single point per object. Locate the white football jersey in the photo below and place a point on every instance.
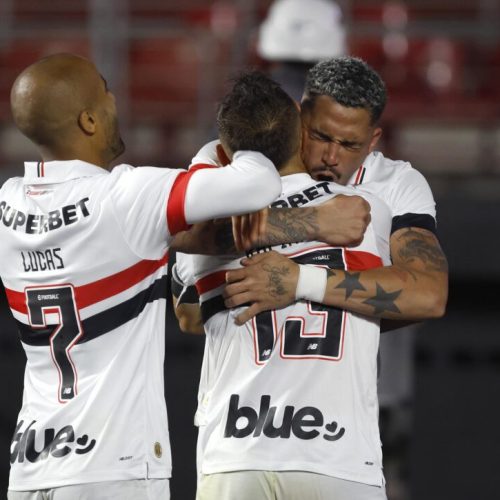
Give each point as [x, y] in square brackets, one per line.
[83, 259]
[296, 388]
[403, 188]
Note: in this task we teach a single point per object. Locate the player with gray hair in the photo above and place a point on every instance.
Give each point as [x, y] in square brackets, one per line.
[350, 82]
[342, 104]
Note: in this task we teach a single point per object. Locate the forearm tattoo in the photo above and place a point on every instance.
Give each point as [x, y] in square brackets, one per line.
[290, 225]
[350, 283]
[423, 247]
[275, 274]
[383, 301]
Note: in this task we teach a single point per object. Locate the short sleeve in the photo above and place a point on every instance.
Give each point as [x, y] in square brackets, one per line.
[411, 194]
[184, 268]
[140, 198]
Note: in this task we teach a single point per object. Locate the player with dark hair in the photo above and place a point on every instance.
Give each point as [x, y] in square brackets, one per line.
[343, 102]
[83, 259]
[298, 420]
[257, 113]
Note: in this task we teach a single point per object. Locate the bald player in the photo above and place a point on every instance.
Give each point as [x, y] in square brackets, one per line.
[83, 259]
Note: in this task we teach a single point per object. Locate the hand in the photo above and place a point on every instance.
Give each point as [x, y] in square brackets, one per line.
[343, 220]
[248, 229]
[267, 281]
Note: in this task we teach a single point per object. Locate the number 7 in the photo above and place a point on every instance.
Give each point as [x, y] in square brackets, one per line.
[59, 301]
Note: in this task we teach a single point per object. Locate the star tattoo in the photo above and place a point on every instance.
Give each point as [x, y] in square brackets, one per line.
[384, 301]
[351, 282]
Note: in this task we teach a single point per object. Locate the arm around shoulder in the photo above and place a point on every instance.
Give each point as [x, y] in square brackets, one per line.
[249, 183]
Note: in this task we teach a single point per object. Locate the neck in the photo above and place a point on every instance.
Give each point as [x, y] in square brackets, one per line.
[74, 154]
[294, 165]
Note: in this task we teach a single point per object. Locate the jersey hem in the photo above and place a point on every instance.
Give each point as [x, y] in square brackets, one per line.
[138, 473]
[296, 466]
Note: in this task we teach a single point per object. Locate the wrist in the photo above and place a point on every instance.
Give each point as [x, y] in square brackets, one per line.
[311, 284]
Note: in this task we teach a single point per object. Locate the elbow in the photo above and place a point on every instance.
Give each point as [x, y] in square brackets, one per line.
[436, 302]
[439, 309]
[187, 325]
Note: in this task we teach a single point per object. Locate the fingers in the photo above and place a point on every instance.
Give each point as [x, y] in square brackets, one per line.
[247, 314]
[248, 230]
[238, 299]
[238, 242]
[236, 275]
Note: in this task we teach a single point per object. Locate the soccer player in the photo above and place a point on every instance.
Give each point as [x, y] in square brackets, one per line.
[343, 101]
[288, 401]
[83, 259]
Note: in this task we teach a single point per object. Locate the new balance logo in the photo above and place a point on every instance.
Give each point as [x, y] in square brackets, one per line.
[305, 423]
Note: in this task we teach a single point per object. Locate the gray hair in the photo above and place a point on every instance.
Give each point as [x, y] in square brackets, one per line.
[350, 81]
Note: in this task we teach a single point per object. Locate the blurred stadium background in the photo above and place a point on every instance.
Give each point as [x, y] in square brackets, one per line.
[167, 63]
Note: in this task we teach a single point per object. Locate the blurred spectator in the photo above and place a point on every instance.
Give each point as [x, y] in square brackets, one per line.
[296, 35]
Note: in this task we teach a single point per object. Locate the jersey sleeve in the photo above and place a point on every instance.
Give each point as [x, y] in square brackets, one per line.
[249, 183]
[211, 153]
[140, 198]
[183, 280]
[412, 202]
[184, 269]
[207, 155]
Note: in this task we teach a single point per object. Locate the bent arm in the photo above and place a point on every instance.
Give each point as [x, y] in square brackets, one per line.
[415, 287]
[249, 183]
[340, 221]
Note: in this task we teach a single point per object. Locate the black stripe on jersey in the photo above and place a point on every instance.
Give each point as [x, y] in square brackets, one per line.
[211, 307]
[423, 221]
[103, 322]
[330, 257]
[362, 176]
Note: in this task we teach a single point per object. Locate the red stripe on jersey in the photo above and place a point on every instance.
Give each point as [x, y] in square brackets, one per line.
[91, 293]
[358, 175]
[358, 261]
[16, 301]
[104, 288]
[211, 281]
[176, 218]
[42, 169]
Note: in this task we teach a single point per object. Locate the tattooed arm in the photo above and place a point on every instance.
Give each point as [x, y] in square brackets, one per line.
[340, 221]
[414, 287]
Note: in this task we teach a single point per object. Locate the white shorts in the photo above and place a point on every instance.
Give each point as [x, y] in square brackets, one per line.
[287, 485]
[137, 489]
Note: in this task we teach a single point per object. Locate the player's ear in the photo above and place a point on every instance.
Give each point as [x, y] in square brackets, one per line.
[223, 154]
[377, 134]
[87, 122]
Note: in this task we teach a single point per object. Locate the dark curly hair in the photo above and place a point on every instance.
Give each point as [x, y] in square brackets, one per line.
[350, 81]
[258, 115]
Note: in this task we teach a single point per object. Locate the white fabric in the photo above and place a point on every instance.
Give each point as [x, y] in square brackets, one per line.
[216, 189]
[286, 485]
[84, 262]
[329, 394]
[311, 284]
[139, 489]
[402, 188]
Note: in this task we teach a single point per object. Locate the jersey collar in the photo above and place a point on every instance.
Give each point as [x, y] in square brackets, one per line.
[51, 172]
[358, 176]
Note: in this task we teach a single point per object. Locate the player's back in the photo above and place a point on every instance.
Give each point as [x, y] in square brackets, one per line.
[85, 276]
[294, 389]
